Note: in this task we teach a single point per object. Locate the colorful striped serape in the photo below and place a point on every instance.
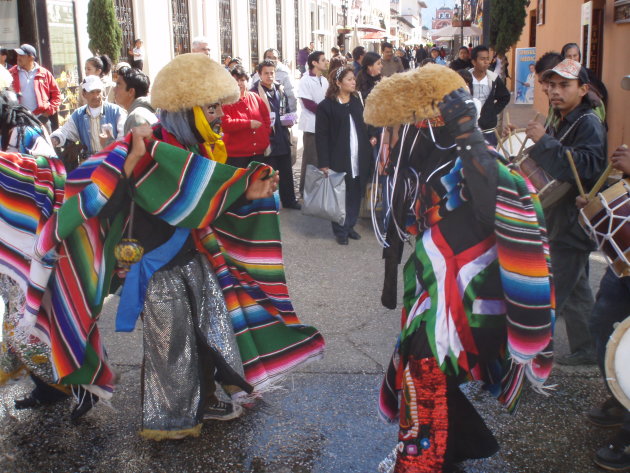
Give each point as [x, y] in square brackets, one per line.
[190, 191]
[31, 189]
[487, 311]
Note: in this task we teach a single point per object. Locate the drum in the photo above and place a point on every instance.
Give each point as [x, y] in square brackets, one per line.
[606, 220]
[616, 363]
[549, 189]
[511, 145]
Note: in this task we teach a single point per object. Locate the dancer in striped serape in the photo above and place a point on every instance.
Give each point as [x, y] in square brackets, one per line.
[477, 293]
[210, 285]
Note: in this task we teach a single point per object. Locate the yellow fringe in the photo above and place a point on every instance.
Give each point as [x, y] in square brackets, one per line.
[159, 435]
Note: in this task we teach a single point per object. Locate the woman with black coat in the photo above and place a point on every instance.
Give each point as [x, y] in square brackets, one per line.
[343, 144]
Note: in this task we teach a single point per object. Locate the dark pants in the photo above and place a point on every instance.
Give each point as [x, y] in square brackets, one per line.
[138, 65]
[611, 306]
[353, 205]
[282, 164]
[574, 298]
[243, 161]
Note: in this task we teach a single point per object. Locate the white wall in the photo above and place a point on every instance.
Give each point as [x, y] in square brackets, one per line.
[153, 25]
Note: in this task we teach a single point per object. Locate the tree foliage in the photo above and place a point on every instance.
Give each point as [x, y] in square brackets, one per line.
[103, 29]
[507, 22]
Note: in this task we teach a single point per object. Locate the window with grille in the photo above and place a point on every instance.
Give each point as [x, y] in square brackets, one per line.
[225, 27]
[124, 15]
[181, 29]
[253, 31]
[279, 27]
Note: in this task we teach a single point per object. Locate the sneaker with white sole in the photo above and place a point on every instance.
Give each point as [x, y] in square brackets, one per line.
[222, 411]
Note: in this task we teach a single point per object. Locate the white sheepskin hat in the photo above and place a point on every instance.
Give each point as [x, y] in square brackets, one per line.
[192, 79]
[411, 96]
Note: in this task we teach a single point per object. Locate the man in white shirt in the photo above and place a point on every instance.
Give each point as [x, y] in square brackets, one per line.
[311, 90]
[490, 90]
[96, 124]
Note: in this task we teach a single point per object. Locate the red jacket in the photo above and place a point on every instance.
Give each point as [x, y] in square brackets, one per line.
[46, 90]
[239, 137]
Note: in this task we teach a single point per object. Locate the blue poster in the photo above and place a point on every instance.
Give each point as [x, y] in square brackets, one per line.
[524, 75]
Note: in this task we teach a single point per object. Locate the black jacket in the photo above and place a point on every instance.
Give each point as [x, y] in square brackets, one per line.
[583, 134]
[458, 64]
[497, 100]
[332, 137]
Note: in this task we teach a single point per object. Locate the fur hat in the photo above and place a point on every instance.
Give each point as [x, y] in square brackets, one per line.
[192, 80]
[409, 97]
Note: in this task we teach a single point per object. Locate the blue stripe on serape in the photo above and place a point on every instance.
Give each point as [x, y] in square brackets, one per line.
[196, 176]
[74, 340]
[531, 291]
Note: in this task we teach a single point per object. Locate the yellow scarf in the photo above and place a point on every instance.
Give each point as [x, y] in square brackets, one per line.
[214, 145]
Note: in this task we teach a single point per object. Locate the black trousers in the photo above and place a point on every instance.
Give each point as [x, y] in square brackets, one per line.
[353, 206]
[282, 164]
[243, 161]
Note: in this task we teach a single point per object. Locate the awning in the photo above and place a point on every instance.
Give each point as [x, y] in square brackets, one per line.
[370, 28]
[451, 31]
[375, 35]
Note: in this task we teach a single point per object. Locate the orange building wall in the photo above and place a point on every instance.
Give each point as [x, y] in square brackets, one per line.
[562, 25]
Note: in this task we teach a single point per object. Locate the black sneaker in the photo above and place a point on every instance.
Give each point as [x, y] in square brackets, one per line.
[222, 411]
[342, 240]
[354, 235]
[616, 455]
[609, 414]
[293, 205]
[579, 357]
[87, 401]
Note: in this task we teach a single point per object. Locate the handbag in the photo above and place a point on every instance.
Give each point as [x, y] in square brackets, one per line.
[325, 196]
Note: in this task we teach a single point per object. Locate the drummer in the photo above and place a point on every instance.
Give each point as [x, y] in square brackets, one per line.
[612, 306]
[577, 129]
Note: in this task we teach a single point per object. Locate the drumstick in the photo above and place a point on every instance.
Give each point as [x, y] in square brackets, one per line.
[575, 174]
[500, 144]
[520, 151]
[600, 182]
[602, 179]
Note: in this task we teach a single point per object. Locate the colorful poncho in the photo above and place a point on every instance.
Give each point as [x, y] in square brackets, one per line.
[186, 190]
[487, 311]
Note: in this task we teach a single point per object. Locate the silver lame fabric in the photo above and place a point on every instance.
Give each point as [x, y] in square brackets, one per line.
[179, 302]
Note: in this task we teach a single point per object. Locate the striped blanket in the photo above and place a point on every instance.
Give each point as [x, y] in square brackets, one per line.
[31, 189]
[186, 190]
[486, 311]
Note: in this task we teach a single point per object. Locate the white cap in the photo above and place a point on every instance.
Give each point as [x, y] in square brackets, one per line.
[91, 83]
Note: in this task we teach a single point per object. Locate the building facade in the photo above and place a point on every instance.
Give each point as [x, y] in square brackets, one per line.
[602, 29]
[236, 28]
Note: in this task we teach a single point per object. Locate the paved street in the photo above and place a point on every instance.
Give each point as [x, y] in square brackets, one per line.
[324, 418]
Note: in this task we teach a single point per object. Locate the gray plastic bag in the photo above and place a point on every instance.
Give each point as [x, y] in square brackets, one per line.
[325, 197]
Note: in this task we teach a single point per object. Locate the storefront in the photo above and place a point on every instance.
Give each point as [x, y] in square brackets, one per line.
[64, 63]
[602, 29]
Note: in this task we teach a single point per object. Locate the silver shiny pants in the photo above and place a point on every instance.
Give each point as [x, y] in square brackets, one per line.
[184, 312]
